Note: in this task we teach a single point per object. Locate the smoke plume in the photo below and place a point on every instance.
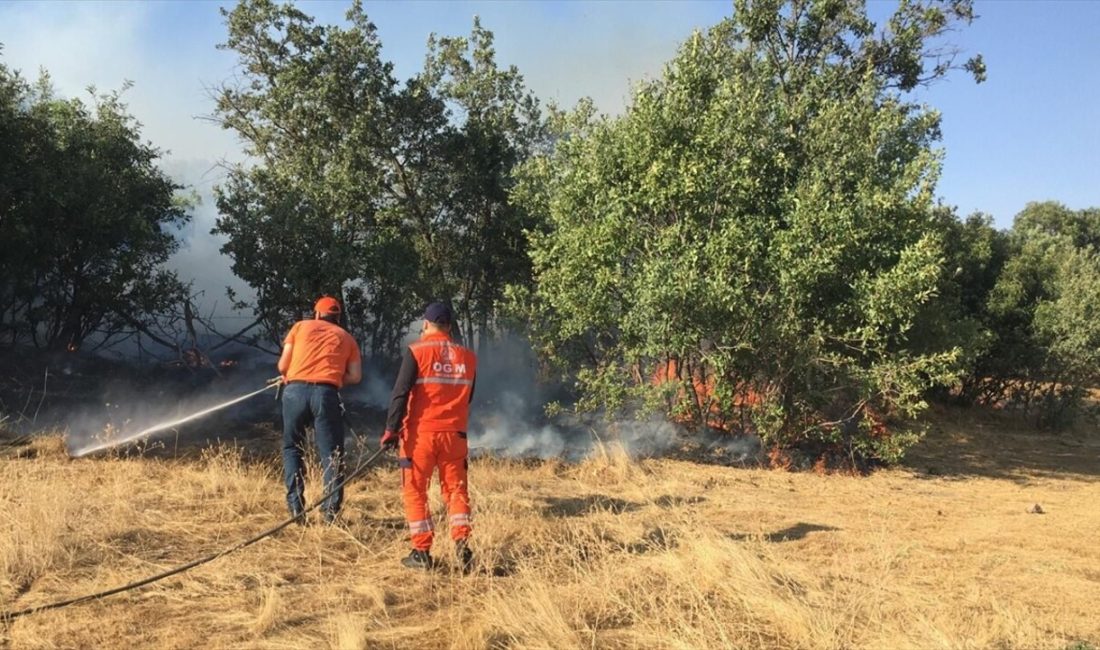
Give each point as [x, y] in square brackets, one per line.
[508, 417]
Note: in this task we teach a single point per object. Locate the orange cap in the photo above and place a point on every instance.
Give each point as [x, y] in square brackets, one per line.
[327, 305]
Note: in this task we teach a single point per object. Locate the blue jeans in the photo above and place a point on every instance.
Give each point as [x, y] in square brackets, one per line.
[320, 405]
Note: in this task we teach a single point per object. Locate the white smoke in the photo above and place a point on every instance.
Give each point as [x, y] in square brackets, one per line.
[508, 418]
[508, 415]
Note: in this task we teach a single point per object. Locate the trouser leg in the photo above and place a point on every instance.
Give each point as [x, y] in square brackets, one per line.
[453, 468]
[295, 416]
[417, 464]
[328, 426]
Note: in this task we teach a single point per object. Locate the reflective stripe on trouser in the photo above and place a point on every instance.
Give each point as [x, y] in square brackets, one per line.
[423, 526]
[421, 453]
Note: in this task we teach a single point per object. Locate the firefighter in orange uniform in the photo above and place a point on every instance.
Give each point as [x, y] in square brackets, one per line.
[428, 414]
[319, 358]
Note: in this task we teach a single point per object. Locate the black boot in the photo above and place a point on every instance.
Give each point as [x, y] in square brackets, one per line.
[418, 560]
[465, 556]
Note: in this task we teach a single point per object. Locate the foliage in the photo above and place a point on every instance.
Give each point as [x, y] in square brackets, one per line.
[759, 228]
[1019, 303]
[86, 218]
[975, 253]
[1040, 314]
[398, 192]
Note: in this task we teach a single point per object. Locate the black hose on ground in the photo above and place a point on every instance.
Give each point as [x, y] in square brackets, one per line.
[363, 466]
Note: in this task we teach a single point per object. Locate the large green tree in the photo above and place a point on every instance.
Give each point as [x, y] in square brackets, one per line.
[87, 219]
[495, 125]
[396, 194]
[760, 227]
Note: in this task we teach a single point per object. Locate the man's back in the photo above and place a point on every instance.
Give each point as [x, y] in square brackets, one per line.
[321, 352]
[444, 385]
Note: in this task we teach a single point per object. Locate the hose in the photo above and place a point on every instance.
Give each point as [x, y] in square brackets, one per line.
[363, 466]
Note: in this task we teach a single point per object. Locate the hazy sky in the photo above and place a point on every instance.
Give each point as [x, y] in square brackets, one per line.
[1031, 132]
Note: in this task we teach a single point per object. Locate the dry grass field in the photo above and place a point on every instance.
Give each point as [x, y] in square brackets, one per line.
[608, 553]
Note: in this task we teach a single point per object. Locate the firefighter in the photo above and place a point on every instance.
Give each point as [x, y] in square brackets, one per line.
[319, 358]
[427, 417]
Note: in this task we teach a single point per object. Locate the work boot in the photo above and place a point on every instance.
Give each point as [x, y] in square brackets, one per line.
[418, 560]
[465, 556]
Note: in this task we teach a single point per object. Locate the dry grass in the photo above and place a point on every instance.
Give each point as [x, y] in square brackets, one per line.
[609, 553]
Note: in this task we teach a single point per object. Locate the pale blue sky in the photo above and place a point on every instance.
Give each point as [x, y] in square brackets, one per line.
[1031, 132]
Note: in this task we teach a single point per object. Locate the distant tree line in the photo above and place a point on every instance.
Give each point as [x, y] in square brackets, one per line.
[754, 244]
[1023, 305]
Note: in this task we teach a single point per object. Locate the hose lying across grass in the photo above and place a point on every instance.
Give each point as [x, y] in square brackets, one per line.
[363, 466]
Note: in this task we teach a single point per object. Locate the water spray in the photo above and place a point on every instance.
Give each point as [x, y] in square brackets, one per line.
[275, 382]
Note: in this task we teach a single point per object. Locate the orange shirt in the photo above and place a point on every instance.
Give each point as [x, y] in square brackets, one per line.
[321, 352]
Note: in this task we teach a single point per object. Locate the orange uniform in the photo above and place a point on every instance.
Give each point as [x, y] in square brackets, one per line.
[430, 403]
[322, 352]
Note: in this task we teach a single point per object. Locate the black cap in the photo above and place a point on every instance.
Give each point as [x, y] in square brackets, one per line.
[438, 313]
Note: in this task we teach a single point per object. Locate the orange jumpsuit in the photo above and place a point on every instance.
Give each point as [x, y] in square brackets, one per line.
[431, 403]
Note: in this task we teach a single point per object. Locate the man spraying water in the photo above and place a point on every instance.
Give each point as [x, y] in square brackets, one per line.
[319, 357]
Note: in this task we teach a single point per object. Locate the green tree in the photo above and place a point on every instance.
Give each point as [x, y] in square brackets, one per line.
[398, 192]
[307, 214]
[14, 181]
[1079, 228]
[760, 225]
[1038, 316]
[86, 218]
[1068, 330]
[495, 124]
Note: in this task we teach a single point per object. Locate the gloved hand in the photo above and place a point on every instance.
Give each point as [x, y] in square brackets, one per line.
[389, 439]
